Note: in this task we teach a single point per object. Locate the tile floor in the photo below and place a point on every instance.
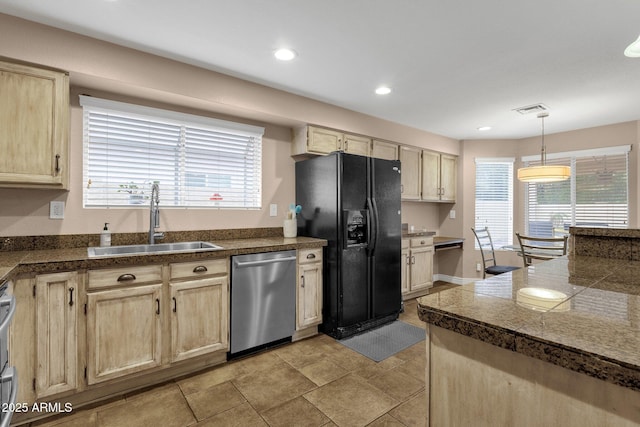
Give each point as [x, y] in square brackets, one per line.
[313, 382]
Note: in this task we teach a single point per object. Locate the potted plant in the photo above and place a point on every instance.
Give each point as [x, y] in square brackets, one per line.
[136, 194]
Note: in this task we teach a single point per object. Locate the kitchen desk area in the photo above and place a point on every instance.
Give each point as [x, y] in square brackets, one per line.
[566, 354]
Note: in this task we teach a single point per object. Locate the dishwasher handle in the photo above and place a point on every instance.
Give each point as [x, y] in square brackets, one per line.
[262, 262]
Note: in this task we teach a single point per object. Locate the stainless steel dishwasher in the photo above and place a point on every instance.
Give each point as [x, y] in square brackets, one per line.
[263, 300]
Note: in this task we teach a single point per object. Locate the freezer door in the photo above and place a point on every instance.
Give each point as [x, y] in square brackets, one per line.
[354, 289]
[386, 252]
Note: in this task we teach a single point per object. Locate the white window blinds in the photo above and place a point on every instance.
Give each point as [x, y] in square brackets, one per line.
[197, 161]
[494, 199]
[596, 195]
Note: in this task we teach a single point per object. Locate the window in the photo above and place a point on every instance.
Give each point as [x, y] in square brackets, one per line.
[494, 199]
[596, 195]
[198, 162]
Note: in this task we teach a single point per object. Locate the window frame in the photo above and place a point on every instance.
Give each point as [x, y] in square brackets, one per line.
[572, 159]
[235, 150]
[501, 237]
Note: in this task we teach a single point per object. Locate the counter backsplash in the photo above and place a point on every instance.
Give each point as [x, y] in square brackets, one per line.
[67, 241]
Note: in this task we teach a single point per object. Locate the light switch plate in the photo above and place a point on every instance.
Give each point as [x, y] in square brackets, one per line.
[56, 209]
[273, 209]
[452, 214]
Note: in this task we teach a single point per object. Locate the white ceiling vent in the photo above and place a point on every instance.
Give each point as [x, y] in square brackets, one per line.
[530, 109]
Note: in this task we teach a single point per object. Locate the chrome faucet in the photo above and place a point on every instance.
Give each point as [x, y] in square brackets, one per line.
[154, 215]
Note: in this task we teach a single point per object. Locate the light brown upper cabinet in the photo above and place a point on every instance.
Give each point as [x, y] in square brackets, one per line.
[355, 144]
[439, 172]
[315, 140]
[411, 168]
[384, 150]
[34, 127]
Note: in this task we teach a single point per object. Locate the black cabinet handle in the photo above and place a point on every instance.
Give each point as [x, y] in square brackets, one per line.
[71, 297]
[311, 256]
[128, 277]
[175, 304]
[157, 306]
[200, 269]
[57, 163]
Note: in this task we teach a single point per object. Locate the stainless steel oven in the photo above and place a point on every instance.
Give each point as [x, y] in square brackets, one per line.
[8, 374]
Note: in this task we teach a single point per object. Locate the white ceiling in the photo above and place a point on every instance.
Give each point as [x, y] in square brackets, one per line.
[453, 65]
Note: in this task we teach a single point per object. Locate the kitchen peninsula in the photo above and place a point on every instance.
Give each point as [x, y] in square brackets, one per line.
[568, 356]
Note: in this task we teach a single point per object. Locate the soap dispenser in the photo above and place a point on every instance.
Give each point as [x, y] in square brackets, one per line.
[105, 236]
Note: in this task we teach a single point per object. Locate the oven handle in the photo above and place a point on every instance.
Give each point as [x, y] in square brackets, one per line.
[11, 374]
[9, 300]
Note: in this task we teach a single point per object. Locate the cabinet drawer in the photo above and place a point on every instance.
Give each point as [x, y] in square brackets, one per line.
[99, 279]
[309, 255]
[199, 268]
[421, 241]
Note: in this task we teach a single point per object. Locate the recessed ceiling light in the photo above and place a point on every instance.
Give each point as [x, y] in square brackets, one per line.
[285, 54]
[383, 90]
[633, 50]
[484, 128]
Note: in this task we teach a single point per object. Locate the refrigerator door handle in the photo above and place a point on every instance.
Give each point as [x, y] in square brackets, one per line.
[373, 224]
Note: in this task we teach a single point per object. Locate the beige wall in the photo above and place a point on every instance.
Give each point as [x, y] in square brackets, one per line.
[115, 72]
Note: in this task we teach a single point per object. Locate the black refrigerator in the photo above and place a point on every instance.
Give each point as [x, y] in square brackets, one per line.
[354, 203]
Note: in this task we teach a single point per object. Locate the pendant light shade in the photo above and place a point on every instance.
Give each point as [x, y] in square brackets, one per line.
[544, 173]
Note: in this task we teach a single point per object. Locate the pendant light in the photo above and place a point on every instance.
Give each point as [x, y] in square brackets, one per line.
[544, 173]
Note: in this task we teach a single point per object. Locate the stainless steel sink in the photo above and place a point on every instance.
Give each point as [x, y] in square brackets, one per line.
[159, 248]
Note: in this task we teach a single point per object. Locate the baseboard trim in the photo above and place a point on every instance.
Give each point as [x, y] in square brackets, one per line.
[454, 279]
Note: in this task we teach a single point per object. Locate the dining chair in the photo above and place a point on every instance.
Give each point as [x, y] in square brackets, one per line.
[544, 248]
[483, 237]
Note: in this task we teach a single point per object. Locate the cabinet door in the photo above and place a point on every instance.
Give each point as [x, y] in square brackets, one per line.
[199, 317]
[123, 332]
[357, 145]
[411, 171]
[430, 176]
[56, 333]
[421, 268]
[309, 295]
[405, 268]
[448, 174]
[323, 141]
[34, 126]
[384, 150]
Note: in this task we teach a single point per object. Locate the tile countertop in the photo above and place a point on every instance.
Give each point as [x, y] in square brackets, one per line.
[13, 263]
[598, 335]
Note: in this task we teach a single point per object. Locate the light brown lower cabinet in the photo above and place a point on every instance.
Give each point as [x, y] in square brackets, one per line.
[309, 300]
[417, 266]
[56, 333]
[124, 331]
[199, 308]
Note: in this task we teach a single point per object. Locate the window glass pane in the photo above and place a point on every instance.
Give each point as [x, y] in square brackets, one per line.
[494, 200]
[195, 165]
[596, 195]
[601, 191]
[549, 205]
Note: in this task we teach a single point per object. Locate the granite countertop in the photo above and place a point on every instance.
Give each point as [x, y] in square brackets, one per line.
[13, 263]
[417, 233]
[595, 330]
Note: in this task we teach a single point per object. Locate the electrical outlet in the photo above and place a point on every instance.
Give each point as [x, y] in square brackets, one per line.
[478, 267]
[56, 209]
[273, 209]
[452, 214]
